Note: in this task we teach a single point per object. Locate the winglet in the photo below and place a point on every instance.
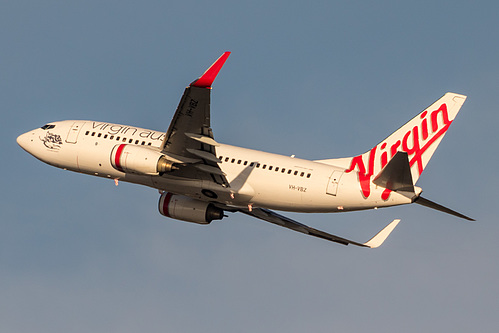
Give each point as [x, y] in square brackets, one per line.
[206, 80]
[380, 237]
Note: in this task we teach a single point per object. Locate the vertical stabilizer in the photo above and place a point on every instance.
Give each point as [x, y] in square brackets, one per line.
[419, 138]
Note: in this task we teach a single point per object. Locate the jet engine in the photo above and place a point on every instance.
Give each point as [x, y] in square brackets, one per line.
[139, 160]
[187, 209]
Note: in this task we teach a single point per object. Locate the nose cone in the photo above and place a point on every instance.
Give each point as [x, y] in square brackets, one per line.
[21, 141]
[25, 140]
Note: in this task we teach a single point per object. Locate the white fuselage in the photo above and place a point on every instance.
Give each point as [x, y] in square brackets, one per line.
[256, 178]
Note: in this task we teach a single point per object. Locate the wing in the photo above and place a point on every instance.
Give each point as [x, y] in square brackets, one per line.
[283, 221]
[189, 139]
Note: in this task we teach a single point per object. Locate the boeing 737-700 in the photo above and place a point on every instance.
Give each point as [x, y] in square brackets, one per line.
[200, 179]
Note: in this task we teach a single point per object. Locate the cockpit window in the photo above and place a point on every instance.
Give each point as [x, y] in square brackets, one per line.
[47, 127]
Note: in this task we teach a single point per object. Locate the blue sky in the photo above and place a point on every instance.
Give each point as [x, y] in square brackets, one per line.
[319, 79]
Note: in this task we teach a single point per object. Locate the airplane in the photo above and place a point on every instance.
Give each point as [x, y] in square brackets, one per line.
[199, 179]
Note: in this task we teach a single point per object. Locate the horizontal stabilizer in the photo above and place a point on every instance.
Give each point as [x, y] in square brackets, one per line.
[434, 205]
[286, 222]
[396, 175]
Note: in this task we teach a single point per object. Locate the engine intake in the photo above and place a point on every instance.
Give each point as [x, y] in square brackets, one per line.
[140, 160]
[187, 209]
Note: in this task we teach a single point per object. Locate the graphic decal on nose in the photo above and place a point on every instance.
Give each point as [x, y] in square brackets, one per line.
[52, 141]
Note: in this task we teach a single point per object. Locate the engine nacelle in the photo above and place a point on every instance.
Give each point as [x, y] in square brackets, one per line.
[139, 160]
[187, 209]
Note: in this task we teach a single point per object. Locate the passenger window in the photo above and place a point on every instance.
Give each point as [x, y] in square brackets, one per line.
[289, 171]
[111, 137]
[149, 144]
[258, 165]
[308, 175]
[117, 138]
[136, 142]
[226, 159]
[143, 143]
[99, 135]
[86, 133]
[296, 172]
[93, 133]
[233, 160]
[124, 140]
[105, 136]
[302, 174]
[283, 170]
[251, 164]
[245, 162]
[270, 167]
[239, 162]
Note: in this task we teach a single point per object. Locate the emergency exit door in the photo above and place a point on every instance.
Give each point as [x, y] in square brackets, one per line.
[74, 131]
[334, 180]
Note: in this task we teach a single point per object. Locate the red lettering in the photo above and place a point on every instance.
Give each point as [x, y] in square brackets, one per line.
[410, 143]
[415, 147]
[364, 175]
[417, 157]
[445, 117]
[384, 157]
[386, 194]
[394, 148]
[424, 126]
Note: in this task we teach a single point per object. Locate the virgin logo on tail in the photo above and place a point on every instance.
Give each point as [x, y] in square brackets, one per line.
[426, 129]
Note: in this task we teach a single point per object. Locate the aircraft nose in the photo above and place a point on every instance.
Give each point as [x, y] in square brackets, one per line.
[24, 140]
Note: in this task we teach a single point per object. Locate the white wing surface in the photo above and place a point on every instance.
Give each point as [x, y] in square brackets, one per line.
[189, 137]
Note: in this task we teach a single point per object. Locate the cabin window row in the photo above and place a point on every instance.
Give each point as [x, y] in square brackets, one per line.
[117, 138]
[265, 167]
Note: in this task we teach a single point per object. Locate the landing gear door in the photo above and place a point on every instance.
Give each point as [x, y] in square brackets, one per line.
[74, 131]
[334, 180]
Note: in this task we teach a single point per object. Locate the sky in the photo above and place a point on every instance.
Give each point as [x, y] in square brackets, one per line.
[318, 79]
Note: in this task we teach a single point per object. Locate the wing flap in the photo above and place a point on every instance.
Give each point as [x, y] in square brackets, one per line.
[210, 169]
[203, 139]
[204, 155]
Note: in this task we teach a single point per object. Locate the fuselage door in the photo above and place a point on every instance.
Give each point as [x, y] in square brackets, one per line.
[74, 130]
[334, 180]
